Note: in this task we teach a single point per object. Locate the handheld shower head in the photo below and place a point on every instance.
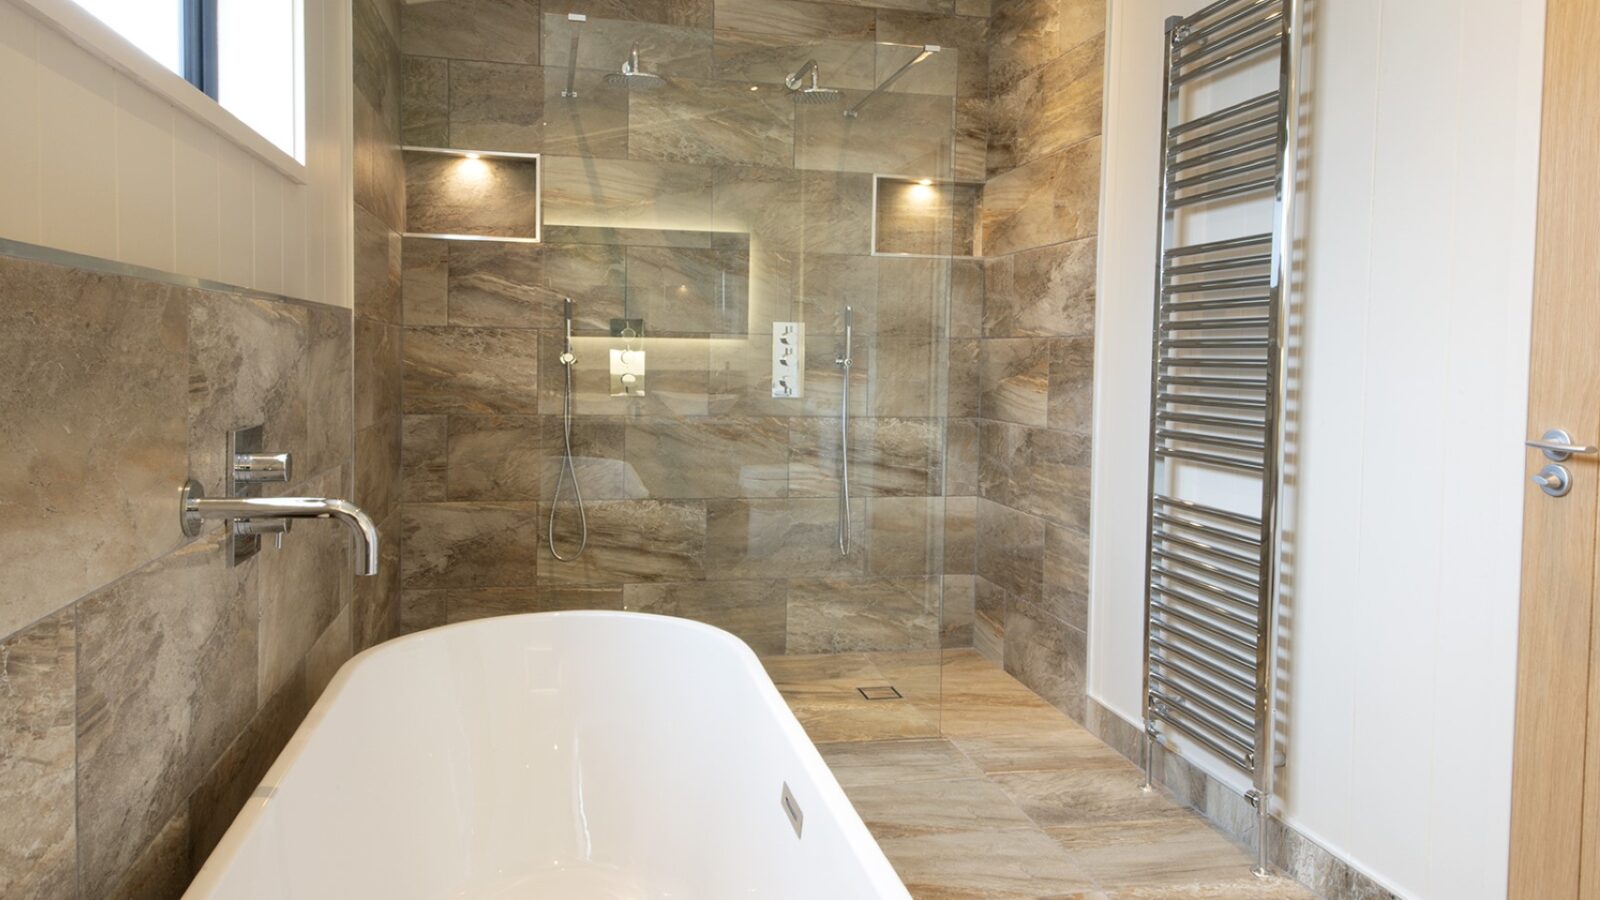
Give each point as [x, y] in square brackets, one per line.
[632, 77]
[568, 357]
[814, 93]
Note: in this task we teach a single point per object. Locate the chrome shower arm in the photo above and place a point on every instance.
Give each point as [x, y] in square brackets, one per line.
[795, 81]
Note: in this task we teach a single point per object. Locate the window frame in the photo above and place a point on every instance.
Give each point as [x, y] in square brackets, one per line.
[82, 28]
[200, 45]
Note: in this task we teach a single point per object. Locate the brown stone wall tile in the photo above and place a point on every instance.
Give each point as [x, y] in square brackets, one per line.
[152, 713]
[93, 374]
[38, 835]
[495, 30]
[482, 544]
[754, 611]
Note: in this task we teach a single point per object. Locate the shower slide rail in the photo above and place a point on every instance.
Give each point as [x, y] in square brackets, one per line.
[1217, 387]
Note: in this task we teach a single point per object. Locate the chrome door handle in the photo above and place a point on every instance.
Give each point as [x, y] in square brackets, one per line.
[1558, 445]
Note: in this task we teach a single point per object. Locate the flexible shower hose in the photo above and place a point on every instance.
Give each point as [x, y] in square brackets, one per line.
[567, 469]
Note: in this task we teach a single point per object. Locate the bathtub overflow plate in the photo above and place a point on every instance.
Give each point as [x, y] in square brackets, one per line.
[792, 809]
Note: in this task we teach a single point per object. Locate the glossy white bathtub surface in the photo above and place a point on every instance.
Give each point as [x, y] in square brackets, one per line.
[561, 755]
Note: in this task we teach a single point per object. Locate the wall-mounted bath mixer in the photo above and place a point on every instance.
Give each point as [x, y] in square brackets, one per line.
[569, 358]
[248, 516]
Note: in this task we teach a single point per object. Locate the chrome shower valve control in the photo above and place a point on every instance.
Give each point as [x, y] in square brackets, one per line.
[1554, 480]
[262, 468]
[788, 355]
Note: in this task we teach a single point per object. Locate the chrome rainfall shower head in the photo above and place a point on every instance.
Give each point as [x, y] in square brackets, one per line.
[632, 78]
[813, 93]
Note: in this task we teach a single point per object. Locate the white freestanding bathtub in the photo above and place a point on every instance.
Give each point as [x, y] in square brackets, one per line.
[560, 755]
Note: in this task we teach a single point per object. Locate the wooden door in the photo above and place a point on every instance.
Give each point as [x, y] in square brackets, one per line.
[1555, 815]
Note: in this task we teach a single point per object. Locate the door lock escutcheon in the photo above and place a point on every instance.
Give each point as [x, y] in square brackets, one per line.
[1554, 480]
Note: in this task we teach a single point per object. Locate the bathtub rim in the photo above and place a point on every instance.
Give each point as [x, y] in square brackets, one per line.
[879, 872]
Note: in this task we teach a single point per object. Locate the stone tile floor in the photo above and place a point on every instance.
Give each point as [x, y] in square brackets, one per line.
[975, 787]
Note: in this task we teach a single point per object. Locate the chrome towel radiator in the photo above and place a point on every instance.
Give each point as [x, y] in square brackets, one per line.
[1217, 389]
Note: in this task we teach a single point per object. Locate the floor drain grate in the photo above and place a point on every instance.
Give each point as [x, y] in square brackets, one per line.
[880, 692]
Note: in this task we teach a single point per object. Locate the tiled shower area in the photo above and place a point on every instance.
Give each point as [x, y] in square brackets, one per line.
[684, 221]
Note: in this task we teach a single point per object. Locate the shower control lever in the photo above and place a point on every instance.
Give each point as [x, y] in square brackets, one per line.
[788, 358]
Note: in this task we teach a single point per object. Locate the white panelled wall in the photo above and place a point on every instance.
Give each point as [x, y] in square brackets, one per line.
[1405, 513]
[95, 162]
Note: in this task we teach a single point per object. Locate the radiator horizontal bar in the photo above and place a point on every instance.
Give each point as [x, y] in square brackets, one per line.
[1241, 283]
[1210, 362]
[1218, 381]
[1209, 530]
[1182, 306]
[1210, 607]
[1210, 66]
[1227, 112]
[1211, 459]
[1224, 441]
[1245, 720]
[1210, 570]
[1224, 193]
[1221, 553]
[1204, 587]
[1223, 324]
[1228, 676]
[1209, 629]
[1217, 265]
[1225, 731]
[1210, 402]
[1226, 642]
[1232, 343]
[1201, 509]
[1224, 173]
[1201, 54]
[1178, 594]
[1213, 421]
[1194, 19]
[1255, 8]
[1222, 134]
[1174, 667]
[1239, 760]
[1254, 145]
[1238, 243]
[1202, 643]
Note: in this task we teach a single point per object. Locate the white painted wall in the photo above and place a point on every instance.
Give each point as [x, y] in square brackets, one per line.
[96, 162]
[1406, 516]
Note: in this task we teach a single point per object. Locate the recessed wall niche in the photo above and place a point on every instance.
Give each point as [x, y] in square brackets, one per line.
[482, 195]
[924, 217]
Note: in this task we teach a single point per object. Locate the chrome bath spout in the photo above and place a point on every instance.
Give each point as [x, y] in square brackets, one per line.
[197, 508]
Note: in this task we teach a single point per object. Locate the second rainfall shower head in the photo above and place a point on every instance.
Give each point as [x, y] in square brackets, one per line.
[812, 93]
[632, 77]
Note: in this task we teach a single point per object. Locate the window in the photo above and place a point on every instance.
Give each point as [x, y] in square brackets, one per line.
[245, 54]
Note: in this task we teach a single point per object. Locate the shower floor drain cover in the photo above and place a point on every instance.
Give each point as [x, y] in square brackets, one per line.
[880, 692]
